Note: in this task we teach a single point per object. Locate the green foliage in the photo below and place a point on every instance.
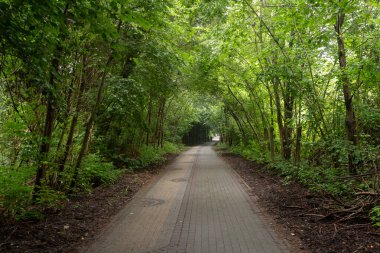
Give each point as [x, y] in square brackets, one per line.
[48, 197]
[171, 148]
[151, 155]
[95, 171]
[135, 75]
[375, 215]
[16, 191]
[325, 180]
[319, 179]
[15, 188]
[222, 146]
[369, 116]
[252, 152]
[30, 214]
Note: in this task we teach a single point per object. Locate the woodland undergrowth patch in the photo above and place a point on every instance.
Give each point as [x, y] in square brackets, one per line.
[16, 184]
[348, 197]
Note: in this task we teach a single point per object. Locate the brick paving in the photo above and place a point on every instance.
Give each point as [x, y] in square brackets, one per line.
[197, 205]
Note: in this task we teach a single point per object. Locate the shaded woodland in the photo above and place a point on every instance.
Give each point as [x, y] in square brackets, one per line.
[89, 89]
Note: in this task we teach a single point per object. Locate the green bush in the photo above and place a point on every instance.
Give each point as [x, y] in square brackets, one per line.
[222, 145]
[150, 155]
[252, 152]
[30, 214]
[15, 191]
[171, 148]
[375, 215]
[48, 197]
[95, 172]
[16, 187]
[315, 178]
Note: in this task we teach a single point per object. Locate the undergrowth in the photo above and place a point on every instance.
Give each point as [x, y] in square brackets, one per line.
[150, 155]
[16, 183]
[315, 178]
[15, 188]
[94, 172]
[375, 215]
[334, 181]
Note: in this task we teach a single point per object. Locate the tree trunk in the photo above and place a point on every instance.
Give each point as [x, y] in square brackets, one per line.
[67, 113]
[271, 143]
[44, 147]
[279, 115]
[157, 125]
[49, 119]
[288, 130]
[162, 121]
[240, 126]
[90, 124]
[149, 120]
[350, 120]
[248, 117]
[297, 151]
[69, 141]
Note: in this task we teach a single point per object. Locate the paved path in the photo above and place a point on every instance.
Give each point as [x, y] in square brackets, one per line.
[197, 205]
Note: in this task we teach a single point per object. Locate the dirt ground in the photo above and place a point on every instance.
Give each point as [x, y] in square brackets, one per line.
[298, 215]
[80, 219]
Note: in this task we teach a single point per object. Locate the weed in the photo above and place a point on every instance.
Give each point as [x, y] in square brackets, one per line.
[95, 172]
[375, 215]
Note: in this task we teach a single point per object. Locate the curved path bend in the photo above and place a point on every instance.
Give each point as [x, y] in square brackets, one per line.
[198, 205]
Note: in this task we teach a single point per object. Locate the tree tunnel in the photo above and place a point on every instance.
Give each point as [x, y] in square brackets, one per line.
[199, 133]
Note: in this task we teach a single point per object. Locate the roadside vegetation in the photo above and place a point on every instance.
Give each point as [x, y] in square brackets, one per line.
[300, 87]
[89, 89]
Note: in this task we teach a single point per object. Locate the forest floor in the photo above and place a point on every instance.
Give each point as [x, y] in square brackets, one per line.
[78, 221]
[297, 214]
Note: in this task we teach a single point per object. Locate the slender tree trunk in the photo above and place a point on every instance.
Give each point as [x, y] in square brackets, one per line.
[47, 132]
[159, 118]
[69, 141]
[162, 121]
[255, 134]
[288, 130]
[255, 99]
[49, 119]
[297, 151]
[271, 143]
[54, 178]
[266, 145]
[67, 113]
[279, 115]
[157, 124]
[240, 126]
[149, 120]
[350, 120]
[271, 132]
[271, 127]
[90, 124]
[44, 147]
